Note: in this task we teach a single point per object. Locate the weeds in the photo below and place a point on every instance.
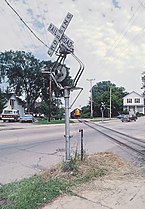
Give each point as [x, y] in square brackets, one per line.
[36, 191]
[32, 193]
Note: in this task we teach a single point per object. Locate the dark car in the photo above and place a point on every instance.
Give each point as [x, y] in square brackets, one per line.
[26, 119]
[129, 118]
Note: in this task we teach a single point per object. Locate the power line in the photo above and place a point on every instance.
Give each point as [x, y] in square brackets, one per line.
[26, 24]
[123, 32]
[131, 40]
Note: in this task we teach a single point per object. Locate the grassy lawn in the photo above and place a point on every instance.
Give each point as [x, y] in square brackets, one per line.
[35, 192]
[45, 121]
[31, 193]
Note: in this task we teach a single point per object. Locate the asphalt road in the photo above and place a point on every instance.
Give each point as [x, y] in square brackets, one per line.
[26, 149]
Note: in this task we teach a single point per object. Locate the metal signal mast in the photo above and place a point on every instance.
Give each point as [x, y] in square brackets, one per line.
[62, 45]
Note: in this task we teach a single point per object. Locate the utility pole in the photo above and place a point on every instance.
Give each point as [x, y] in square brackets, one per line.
[110, 101]
[143, 83]
[143, 87]
[90, 80]
[50, 97]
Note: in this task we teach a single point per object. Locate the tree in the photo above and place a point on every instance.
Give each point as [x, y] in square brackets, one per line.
[101, 93]
[2, 101]
[85, 111]
[23, 72]
[24, 75]
[67, 81]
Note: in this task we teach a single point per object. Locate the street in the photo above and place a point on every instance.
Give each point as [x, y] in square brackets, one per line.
[26, 149]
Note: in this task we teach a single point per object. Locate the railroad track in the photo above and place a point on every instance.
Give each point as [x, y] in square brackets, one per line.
[135, 144]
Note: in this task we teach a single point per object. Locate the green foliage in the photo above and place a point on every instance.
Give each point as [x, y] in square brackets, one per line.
[57, 92]
[2, 101]
[45, 121]
[25, 77]
[139, 114]
[43, 108]
[101, 93]
[75, 161]
[32, 193]
[36, 191]
[23, 72]
[125, 112]
[56, 111]
[85, 111]
[98, 172]
[73, 164]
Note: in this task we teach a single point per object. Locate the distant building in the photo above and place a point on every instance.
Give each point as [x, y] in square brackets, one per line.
[133, 103]
[14, 102]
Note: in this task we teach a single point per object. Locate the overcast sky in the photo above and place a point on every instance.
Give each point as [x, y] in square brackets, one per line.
[108, 35]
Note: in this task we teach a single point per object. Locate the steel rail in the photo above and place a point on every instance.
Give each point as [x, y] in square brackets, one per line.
[91, 125]
[118, 132]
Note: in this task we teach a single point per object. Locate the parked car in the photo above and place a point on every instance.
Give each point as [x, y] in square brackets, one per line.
[26, 119]
[10, 115]
[129, 118]
[120, 116]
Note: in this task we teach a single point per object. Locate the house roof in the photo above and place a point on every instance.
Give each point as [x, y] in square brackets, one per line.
[133, 92]
[8, 96]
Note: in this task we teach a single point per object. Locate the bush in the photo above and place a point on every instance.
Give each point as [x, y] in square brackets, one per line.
[139, 114]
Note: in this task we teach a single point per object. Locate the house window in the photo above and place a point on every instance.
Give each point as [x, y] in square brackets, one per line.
[137, 100]
[129, 100]
[12, 103]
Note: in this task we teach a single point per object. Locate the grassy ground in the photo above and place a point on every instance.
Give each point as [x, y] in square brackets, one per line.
[36, 191]
[45, 121]
[31, 193]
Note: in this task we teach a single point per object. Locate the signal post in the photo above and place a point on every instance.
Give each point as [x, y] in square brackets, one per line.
[63, 45]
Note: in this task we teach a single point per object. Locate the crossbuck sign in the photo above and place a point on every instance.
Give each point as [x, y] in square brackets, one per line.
[60, 36]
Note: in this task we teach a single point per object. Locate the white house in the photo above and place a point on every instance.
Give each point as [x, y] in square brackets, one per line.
[14, 102]
[134, 102]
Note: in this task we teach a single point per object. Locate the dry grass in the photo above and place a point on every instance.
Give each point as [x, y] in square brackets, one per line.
[115, 167]
[89, 174]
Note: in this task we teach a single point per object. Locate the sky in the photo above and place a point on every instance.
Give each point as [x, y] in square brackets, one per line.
[108, 35]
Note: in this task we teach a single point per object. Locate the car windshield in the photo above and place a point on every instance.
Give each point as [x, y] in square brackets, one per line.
[11, 111]
[8, 112]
